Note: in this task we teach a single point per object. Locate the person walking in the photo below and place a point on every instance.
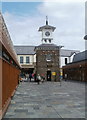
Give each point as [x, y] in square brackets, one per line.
[42, 78]
[38, 79]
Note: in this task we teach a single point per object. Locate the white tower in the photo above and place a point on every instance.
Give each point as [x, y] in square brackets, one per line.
[47, 31]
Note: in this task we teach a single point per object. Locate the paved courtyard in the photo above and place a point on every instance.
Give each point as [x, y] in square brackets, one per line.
[48, 100]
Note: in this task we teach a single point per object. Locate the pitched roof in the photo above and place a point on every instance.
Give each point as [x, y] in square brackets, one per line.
[29, 50]
[80, 56]
[67, 53]
[24, 50]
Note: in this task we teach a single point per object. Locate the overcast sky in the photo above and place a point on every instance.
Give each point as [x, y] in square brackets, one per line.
[23, 20]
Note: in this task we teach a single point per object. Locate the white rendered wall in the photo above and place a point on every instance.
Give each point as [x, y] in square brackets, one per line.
[31, 57]
[71, 58]
[62, 61]
[34, 58]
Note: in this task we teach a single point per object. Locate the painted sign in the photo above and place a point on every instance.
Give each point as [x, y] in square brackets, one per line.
[54, 73]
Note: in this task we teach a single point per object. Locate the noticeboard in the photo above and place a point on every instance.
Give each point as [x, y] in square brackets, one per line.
[53, 73]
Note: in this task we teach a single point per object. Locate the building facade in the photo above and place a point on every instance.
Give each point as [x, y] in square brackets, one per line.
[9, 68]
[27, 58]
[77, 70]
[66, 57]
[47, 61]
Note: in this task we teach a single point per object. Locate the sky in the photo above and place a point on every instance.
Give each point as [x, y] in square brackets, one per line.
[23, 20]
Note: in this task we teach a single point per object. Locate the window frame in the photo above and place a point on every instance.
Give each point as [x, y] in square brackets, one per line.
[21, 57]
[27, 62]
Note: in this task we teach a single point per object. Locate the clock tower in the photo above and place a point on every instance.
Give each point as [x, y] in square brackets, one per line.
[47, 32]
[47, 55]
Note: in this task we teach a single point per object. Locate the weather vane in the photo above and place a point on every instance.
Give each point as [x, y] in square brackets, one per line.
[46, 20]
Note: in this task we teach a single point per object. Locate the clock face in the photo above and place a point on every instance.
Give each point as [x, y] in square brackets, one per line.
[47, 33]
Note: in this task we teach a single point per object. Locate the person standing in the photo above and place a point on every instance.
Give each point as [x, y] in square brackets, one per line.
[30, 76]
[65, 77]
[35, 77]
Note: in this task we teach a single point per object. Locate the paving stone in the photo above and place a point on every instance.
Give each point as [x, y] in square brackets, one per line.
[48, 100]
[21, 110]
[49, 105]
[30, 113]
[36, 108]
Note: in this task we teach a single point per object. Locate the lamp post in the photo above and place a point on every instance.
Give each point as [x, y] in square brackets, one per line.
[85, 37]
[60, 64]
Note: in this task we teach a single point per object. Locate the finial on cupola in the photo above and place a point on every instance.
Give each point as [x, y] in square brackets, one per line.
[46, 20]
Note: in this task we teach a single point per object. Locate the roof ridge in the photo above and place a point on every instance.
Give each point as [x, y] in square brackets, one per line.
[70, 50]
[24, 46]
[82, 52]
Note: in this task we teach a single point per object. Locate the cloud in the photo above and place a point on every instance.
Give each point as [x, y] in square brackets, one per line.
[63, 1]
[68, 18]
[23, 30]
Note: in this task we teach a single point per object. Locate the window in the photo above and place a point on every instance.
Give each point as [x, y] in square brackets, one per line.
[27, 60]
[48, 57]
[21, 59]
[65, 60]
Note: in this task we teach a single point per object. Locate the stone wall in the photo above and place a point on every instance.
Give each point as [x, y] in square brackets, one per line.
[42, 66]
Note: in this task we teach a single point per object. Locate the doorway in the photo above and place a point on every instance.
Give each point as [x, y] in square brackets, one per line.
[48, 75]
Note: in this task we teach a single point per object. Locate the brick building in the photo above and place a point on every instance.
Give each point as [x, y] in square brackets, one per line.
[47, 61]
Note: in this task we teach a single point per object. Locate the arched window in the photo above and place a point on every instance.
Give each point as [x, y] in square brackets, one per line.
[48, 57]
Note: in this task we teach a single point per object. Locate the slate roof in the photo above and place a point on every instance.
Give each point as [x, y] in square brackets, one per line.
[24, 50]
[80, 56]
[47, 47]
[29, 50]
[68, 53]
